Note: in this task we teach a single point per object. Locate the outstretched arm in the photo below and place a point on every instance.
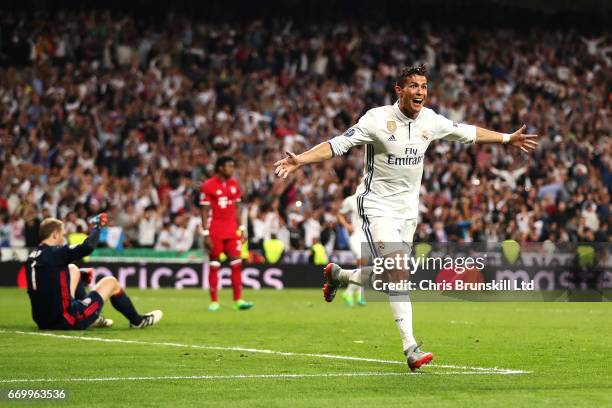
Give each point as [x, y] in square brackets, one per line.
[292, 162]
[361, 133]
[517, 139]
[468, 134]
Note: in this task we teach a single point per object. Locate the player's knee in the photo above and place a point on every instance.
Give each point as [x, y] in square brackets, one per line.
[115, 283]
[111, 282]
[117, 287]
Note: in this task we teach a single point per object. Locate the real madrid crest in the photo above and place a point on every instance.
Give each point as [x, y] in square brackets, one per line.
[425, 135]
[391, 126]
[381, 245]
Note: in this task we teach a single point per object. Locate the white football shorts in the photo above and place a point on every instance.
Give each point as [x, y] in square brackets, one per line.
[385, 235]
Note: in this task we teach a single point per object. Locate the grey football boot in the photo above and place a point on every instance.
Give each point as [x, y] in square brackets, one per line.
[416, 358]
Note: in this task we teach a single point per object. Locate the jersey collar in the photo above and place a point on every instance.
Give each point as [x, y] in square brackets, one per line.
[401, 115]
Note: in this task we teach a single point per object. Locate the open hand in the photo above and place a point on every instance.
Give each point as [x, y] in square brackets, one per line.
[524, 142]
[286, 166]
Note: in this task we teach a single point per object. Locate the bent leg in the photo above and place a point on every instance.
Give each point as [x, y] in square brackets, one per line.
[109, 288]
[75, 278]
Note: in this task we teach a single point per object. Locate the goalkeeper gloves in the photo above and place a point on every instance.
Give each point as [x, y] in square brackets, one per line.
[99, 220]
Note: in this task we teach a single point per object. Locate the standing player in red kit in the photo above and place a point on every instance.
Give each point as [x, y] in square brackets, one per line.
[222, 233]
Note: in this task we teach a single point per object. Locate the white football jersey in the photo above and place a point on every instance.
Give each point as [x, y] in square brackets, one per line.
[395, 148]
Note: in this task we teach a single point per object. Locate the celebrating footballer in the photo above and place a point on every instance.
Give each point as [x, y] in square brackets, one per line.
[396, 138]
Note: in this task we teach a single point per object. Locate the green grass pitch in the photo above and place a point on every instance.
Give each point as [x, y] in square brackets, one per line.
[565, 349]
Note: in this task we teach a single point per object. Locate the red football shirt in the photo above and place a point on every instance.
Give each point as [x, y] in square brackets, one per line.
[222, 196]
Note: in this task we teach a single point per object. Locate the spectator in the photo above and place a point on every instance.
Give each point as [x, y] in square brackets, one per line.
[5, 231]
[73, 223]
[260, 229]
[182, 235]
[127, 120]
[148, 226]
[17, 231]
[32, 222]
[164, 239]
[312, 229]
[273, 249]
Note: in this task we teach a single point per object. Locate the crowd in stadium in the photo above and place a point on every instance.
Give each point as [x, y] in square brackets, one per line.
[100, 112]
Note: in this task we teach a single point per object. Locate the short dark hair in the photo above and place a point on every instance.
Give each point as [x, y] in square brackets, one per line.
[48, 226]
[408, 72]
[222, 160]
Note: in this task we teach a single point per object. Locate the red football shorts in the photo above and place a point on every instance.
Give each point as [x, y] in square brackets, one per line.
[224, 238]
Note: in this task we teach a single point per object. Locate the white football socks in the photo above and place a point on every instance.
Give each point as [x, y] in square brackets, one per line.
[401, 306]
[346, 276]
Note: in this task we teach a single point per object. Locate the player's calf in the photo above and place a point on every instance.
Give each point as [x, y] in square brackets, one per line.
[109, 288]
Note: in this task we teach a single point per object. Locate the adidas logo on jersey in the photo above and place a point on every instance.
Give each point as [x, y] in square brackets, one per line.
[392, 138]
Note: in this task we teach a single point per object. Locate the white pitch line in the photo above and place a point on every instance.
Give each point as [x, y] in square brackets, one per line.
[238, 377]
[493, 370]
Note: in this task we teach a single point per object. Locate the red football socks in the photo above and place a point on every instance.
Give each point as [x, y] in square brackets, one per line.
[213, 280]
[237, 278]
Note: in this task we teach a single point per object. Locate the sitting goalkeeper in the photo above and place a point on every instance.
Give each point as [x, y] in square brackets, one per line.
[53, 280]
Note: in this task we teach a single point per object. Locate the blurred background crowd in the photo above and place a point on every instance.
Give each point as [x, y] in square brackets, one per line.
[108, 112]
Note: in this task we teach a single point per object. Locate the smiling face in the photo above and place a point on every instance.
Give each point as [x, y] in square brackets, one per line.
[412, 95]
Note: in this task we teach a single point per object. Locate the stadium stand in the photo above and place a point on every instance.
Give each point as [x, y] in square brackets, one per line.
[103, 112]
